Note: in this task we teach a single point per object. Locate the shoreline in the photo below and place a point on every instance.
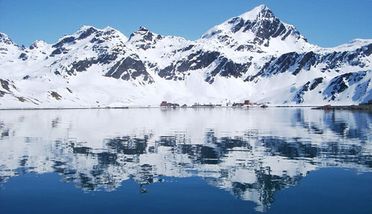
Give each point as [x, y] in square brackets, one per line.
[361, 107]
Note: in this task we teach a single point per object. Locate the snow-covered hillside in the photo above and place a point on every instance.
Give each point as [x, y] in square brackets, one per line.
[253, 56]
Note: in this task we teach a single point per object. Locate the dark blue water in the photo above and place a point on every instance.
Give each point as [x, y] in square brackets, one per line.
[185, 161]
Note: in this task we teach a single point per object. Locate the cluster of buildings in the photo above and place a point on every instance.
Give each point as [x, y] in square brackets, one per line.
[246, 103]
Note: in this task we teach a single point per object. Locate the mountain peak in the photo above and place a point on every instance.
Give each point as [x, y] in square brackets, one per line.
[38, 44]
[85, 31]
[248, 21]
[5, 39]
[109, 28]
[87, 27]
[2, 35]
[143, 29]
[257, 26]
[143, 34]
[256, 13]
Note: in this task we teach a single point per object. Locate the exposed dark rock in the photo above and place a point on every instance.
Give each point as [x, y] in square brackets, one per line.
[309, 86]
[143, 38]
[66, 40]
[87, 33]
[97, 40]
[315, 83]
[5, 39]
[197, 60]
[306, 62]
[295, 63]
[238, 24]
[228, 68]
[58, 51]
[107, 58]
[266, 28]
[340, 83]
[55, 95]
[276, 66]
[81, 65]
[21, 99]
[129, 68]
[298, 98]
[23, 56]
[187, 48]
[5, 84]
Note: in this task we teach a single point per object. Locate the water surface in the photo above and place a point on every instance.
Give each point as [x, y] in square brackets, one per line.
[276, 160]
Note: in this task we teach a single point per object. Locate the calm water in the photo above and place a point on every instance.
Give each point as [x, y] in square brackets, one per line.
[281, 160]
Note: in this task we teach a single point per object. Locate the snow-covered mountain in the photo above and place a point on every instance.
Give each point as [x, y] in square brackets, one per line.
[253, 56]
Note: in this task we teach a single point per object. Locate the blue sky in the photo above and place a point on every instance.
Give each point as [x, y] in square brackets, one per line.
[324, 22]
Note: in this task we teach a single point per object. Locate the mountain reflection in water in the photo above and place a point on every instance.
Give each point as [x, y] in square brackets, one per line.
[252, 153]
